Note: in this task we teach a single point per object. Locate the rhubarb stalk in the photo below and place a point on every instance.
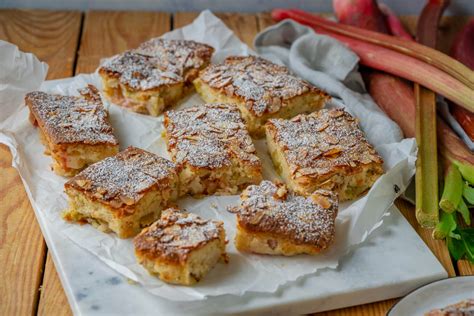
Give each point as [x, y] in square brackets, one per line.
[453, 150]
[387, 60]
[365, 14]
[396, 98]
[426, 177]
[415, 50]
[452, 192]
[394, 25]
[427, 26]
[463, 50]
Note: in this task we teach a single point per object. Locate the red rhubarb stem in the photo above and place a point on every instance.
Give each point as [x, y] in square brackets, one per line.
[394, 24]
[385, 59]
[463, 50]
[426, 54]
[427, 26]
[365, 14]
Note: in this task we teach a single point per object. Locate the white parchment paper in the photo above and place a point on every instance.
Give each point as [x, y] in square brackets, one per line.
[244, 272]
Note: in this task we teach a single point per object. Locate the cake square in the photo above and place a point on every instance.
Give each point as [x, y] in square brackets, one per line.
[123, 193]
[261, 89]
[74, 129]
[156, 75]
[323, 150]
[212, 149]
[181, 248]
[273, 220]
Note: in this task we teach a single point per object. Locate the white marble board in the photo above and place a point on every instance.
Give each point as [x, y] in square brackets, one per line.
[390, 263]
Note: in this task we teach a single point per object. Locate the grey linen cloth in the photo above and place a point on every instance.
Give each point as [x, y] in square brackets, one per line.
[331, 66]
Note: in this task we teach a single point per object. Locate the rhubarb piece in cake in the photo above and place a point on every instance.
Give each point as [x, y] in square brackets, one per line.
[212, 149]
[181, 248]
[74, 129]
[273, 220]
[261, 89]
[323, 150]
[123, 193]
[156, 75]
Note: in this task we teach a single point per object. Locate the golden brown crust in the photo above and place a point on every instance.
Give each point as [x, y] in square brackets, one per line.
[175, 235]
[264, 87]
[158, 63]
[318, 143]
[209, 136]
[271, 209]
[71, 119]
[123, 179]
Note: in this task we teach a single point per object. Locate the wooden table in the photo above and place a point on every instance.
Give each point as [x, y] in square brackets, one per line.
[73, 42]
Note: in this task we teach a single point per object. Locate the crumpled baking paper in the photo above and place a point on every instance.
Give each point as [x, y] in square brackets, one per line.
[244, 272]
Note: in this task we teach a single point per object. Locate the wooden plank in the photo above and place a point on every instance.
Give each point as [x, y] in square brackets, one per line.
[105, 33]
[465, 267]
[53, 300]
[181, 19]
[244, 25]
[21, 250]
[373, 309]
[53, 37]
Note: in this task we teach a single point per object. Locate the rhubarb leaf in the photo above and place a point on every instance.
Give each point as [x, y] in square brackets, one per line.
[456, 248]
[462, 247]
[467, 239]
[468, 193]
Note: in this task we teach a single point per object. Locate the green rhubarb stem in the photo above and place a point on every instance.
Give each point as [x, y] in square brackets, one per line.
[453, 187]
[466, 170]
[462, 208]
[446, 225]
[468, 193]
[426, 178]
[454, 151]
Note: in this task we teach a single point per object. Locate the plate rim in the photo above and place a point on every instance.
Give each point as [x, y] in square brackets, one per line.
[425, 285]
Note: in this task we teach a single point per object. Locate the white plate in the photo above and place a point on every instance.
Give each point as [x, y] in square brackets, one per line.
[434, 295]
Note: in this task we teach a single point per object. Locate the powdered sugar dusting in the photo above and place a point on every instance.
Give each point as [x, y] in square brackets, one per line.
[271, 208]
[176, 234]
[264, 86]
[321, 141]
[71, 119]
[158, 62]
[208, 136]
[125, 177]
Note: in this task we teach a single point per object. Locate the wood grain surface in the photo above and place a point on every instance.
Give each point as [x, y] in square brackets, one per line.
[106, 33]
[53, 38]
[53, 300]
[65, 39]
